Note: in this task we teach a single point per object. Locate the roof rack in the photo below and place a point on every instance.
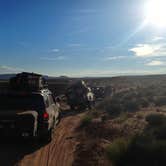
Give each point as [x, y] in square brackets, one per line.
[28, 82]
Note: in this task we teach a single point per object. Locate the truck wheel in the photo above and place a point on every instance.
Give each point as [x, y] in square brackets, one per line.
[46, 138]
[49, 136]
[72, 107]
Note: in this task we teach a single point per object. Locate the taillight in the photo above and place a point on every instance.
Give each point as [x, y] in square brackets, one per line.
[45, 115]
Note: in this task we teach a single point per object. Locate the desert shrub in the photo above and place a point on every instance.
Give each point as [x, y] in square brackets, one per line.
[145, 150]
[114, 109]
[156, 126]
[155, 119]
[148, 92]
[132, 100]
[160, 101]
[111, 105]
[94, 113]
[160, 132]
[130, 95]
[86, 120]
[139, 150]
[104, 104]
[144, 102]
[131, 105]
[123, 117]
[117, 150]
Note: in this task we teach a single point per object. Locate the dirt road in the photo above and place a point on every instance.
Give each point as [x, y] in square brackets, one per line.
[59, 152]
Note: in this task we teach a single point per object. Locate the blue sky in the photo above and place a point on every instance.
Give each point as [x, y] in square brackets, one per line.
[80, 38]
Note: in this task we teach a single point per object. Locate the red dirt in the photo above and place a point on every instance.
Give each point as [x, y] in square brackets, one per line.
[61, 149]
[59, 152]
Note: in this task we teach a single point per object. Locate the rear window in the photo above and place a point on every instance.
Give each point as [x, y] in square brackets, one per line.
[23, 102]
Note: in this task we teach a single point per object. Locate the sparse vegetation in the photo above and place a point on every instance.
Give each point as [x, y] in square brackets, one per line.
[160, 101]
[116, 150]
[117, 125]
[132, 139]
[147, 148]
[155, 119]
[86, 120]
[132, 100]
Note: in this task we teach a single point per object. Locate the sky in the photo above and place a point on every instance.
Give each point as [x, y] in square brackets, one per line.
[81, 38]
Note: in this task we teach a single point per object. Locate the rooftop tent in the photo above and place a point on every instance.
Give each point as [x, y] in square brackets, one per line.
[27, 81]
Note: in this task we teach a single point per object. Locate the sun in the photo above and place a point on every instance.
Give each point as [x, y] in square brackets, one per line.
[155, 12]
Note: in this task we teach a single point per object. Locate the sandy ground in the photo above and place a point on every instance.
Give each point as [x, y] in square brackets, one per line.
[59, 152]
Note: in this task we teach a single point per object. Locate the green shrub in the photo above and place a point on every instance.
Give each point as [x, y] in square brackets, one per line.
[86, 120]
[144, 102]
[145, 150]
[117, 150]
[123, 117]
[111, 105]
[155, 119]
[114, 109]
[139, 150]
[131, 105]
[160, 101]
[160, 132]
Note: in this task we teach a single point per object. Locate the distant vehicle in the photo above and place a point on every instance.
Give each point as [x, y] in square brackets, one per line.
[79, 96]
[27, 108]
[101, 92]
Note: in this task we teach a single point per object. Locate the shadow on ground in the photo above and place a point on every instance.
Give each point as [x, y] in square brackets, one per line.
[13, 149]
[71, 113]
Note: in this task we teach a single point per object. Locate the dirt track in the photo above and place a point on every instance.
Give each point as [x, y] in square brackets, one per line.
[57, 153]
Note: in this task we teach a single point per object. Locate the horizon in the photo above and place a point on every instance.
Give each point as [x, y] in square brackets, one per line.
[108, 76]
[81, 38]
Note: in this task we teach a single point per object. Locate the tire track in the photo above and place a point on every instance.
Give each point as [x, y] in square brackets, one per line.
[60, 151]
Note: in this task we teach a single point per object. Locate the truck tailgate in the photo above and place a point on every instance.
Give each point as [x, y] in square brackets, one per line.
[18, 122]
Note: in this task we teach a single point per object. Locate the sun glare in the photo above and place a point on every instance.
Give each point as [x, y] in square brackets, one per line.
[156, 12]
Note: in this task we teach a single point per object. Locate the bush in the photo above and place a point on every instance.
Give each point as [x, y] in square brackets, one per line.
[144, 103]
[155, 119]
[87, 119]
[131, 105]
[114, 109]
[117, 150]
[111, 105]
[160, 132]
[160, 101]
[145, 150]
[140, 150]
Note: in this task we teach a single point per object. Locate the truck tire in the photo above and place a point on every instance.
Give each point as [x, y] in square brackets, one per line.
[47, 137]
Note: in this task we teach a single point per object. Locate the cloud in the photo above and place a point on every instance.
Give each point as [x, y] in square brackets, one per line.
[9, 69]
[53, 58]
[55, 50]
[146, 50]
[114, 58]
[155, 48]
[157, 38]
[155, 63]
